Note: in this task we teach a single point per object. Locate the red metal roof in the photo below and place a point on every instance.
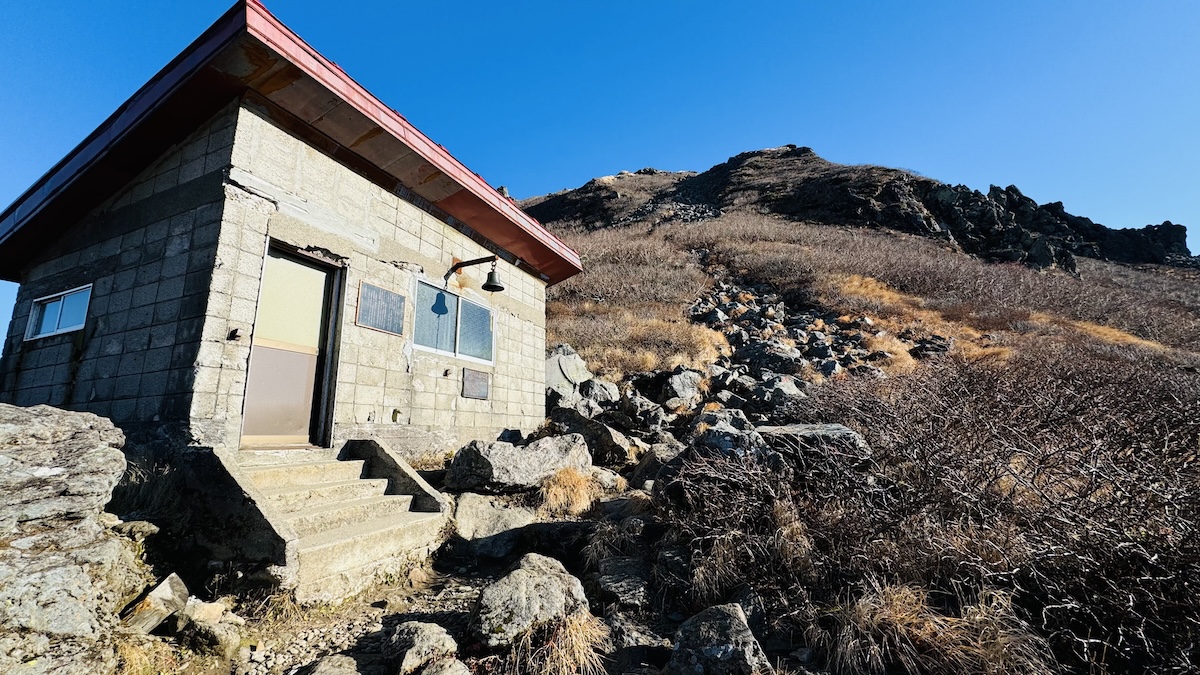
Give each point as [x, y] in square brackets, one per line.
[249, 50]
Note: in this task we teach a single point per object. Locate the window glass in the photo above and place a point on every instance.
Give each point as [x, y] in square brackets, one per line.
[59, 313]
[436, 315]
[47, 317]
[74, 309]
[475, 331]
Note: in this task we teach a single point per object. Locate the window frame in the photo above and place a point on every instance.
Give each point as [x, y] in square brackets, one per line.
[31, 326]
[457, 325]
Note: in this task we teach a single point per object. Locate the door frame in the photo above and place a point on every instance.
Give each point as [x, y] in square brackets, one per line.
[320, 431]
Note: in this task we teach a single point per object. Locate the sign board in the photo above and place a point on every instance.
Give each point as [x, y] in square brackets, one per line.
[380, 309]
[475, 384]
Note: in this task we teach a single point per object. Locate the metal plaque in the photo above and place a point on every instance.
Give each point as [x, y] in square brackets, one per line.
[380, 309]
[475, 384]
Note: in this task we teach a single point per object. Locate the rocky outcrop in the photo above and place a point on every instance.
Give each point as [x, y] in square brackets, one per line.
[63, 573]
[794, 182]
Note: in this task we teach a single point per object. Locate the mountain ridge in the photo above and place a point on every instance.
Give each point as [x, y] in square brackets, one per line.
[795, 183]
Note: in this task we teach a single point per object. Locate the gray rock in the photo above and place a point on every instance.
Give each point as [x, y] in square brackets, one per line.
[625, 579]
[503, 467]
[726, 431]
[776, 389]
[446, 667]
[607, 479]
[599, 391]
[653, 461]
[771, 355]
[413, 644]
[565, 371]
[681, 391]
[213, 639]
[608, 446]
[537, 592]
[717, 641]
[63, 573]
[337, 664]
[824, 437]
[828, 367]
[491, 527]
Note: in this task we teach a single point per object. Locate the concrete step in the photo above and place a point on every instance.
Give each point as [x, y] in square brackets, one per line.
[279, 456]
[332, 516]
[303, 473]
[362, 544]
[298, 497]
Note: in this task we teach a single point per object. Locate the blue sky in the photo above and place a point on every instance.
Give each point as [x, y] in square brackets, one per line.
[1095, 104]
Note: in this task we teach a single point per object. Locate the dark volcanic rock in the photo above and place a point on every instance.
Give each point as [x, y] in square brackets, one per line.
[794, 182]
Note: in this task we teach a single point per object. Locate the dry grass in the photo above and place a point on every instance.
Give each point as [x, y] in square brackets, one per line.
[1033, 500]
[891, 625]
[569, 647]
[431, 461]
[143, 655]
[568, 492]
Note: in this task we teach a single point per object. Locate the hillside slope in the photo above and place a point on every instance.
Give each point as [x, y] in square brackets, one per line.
[1031, 500]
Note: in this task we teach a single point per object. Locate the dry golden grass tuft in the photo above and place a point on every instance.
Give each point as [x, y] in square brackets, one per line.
[891, 625]
[568, 492]
[569, 647]
[142, 655]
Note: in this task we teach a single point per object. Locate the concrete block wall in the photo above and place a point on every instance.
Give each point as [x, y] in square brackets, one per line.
[281, 188]
[147, 251]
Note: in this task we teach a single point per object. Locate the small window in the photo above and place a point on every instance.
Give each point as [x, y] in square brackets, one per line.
[59, 313]
[450, 324]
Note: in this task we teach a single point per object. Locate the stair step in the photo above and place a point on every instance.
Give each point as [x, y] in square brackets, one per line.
[360, 544]
[280, 456]
[332, 516]
[303, 473]
[298, 497]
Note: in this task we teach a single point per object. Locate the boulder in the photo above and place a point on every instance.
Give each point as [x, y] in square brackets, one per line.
[338, 664]
[822, 437]
[503, 467]
[625, 580]
[682, 391]
[771, 355]
[726, 431]
[413, 644]
[608, 446]
[776, 389]
[63, 573]
[489, 526]
[538, 591]
[649, 465]
[717, 641]
[600, 391]
[565, 371]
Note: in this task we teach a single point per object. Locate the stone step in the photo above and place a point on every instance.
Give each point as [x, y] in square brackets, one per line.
[298, 497]
[303, 473]
[342, 551]
[280, 456]
[332, 516]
